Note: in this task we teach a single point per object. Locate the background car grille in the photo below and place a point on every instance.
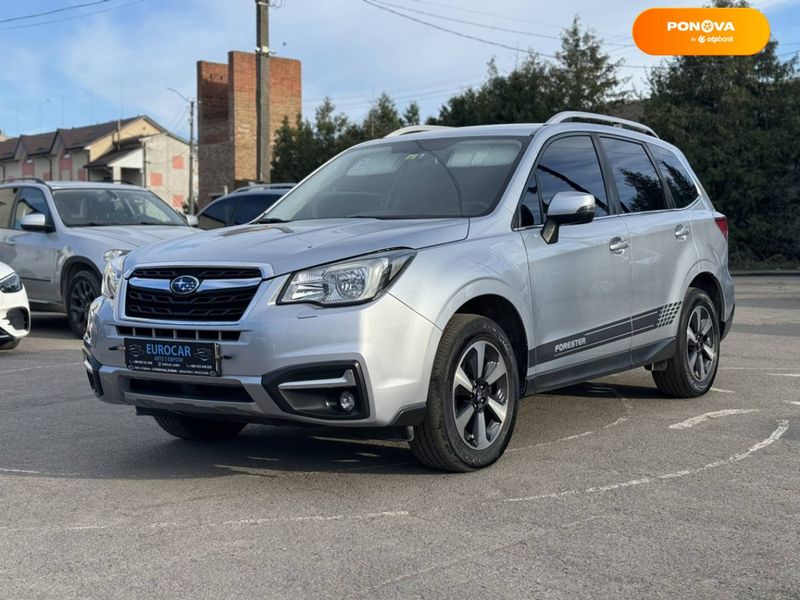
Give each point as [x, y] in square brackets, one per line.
[228, 304]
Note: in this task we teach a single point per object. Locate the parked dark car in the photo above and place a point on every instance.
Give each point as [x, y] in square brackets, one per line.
[241, 206]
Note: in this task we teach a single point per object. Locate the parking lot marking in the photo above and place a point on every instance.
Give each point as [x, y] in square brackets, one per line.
[27, 472]
[793, 402]
[713, 389]
[237, 522]
[783, 426]
[711, 415]
[785, 374]
[41, 367]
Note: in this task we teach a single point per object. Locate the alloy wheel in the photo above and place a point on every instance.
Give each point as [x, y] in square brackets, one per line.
[81, 297]
[480, 394]
[701, 345]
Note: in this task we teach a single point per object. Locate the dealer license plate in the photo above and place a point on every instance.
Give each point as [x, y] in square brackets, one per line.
[170, 356]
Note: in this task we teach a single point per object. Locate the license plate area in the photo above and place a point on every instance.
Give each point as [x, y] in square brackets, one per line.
[171, 356]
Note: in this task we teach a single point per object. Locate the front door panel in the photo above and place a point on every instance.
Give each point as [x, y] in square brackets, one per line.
[581, 295]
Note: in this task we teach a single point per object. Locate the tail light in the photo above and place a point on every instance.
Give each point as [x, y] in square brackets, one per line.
[722, 223]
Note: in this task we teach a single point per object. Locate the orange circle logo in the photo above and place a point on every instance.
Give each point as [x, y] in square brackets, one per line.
[701, 31]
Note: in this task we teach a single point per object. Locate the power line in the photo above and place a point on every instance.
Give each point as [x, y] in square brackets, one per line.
[82, 16]
[508, 17]
[52, 12]
[461, 34]
[452, 31]
[484, 26]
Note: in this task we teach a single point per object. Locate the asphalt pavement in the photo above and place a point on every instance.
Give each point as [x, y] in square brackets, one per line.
[608, 490]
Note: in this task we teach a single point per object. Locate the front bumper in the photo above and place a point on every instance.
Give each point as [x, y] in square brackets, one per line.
[387, 348]
[15, 316]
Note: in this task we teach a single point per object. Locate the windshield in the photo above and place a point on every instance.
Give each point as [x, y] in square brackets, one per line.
[454, 177]
[93, 207]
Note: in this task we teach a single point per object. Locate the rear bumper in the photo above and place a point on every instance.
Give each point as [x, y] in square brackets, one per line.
[286, 363]
[727, 323]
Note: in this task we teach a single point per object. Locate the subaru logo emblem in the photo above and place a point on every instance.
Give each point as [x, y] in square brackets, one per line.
[185, 284]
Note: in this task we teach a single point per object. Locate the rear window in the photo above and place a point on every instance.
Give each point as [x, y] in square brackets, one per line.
[680, 183]
[637, 180]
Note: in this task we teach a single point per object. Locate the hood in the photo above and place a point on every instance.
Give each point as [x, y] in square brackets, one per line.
[128, 237]
[284, 248]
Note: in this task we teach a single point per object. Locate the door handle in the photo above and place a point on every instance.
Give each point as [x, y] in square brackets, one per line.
[682, 232]
[617, 245]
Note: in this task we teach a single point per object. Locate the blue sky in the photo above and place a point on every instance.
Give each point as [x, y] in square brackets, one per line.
[117, 57]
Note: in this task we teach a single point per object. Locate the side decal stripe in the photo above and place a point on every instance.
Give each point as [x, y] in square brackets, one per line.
[605, 334]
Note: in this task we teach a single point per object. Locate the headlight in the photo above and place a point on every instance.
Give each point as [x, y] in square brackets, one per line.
[110, 255]
[349, 282]
[11, 284]
[112, 276]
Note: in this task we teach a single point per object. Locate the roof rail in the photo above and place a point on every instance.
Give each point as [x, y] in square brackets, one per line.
[415, 129]
[574, 115]
[34, 179]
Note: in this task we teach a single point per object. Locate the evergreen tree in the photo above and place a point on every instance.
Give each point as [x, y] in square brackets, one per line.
[737, 119]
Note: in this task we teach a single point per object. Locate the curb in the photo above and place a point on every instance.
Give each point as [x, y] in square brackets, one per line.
[775, 273]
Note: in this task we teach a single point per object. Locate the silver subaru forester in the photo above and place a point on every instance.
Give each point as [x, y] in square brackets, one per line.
[422, 284]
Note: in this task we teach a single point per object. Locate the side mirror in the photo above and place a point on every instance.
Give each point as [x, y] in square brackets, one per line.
[567, 208]
[191, 220]
[36, 222]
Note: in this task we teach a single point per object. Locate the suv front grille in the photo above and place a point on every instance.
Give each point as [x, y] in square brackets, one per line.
[222, 304]
[200, 272]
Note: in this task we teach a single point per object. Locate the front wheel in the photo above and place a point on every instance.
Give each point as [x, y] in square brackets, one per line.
[82, 288]
[691, 371]
[191, 428]
[472, 398]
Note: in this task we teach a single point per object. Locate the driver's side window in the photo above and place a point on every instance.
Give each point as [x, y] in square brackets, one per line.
[568, 164]
[31, 200]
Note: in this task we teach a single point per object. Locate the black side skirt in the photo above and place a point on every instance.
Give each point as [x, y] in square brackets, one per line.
[592, 369]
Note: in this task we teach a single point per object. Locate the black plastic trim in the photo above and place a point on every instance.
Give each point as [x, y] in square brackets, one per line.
[410, 415]
[271, 381]
[94, 373]
[592, 369]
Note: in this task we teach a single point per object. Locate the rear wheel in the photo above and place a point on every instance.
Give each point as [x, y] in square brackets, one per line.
[191, 428]
[691, 371]
[472, 397]
[82, 288]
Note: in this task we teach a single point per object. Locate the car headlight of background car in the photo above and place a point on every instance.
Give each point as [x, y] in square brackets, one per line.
[11, 284]
[112, 276]
[348, 282]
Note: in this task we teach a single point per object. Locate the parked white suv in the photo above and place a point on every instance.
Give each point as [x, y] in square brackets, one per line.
[424, 283]
[57, 235]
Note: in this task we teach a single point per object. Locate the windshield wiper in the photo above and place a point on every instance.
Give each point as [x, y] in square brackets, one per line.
[266, 220]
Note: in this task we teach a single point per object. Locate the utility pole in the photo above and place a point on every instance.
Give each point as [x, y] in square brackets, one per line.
[263, 159]
[191, 157]
[191, 102]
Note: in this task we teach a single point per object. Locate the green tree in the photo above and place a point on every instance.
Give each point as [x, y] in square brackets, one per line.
[737, 119]
[519, 97]
[583, 77]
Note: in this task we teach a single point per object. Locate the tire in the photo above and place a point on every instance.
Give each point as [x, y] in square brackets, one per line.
[10, 345]
[190, 428]
[486, 411]
[693, 368]
[82, 288]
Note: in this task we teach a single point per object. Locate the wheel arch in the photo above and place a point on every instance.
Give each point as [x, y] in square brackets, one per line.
[71, 266]
[503, 312]
[708, 282]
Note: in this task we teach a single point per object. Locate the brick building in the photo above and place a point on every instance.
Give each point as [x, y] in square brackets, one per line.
[136, 150]
[226, 124]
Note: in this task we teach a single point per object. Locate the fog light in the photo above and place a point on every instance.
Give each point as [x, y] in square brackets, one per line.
[347, 401]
